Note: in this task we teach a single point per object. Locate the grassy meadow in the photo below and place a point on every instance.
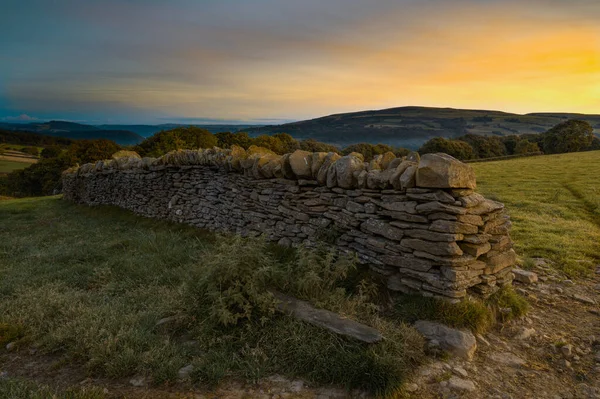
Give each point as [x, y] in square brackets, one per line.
[92, 285]
[7, 166]
[554, 204]
[126, 296]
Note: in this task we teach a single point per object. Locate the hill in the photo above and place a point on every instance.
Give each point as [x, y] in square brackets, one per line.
[149, 130]
[76, 131]
[412, 126]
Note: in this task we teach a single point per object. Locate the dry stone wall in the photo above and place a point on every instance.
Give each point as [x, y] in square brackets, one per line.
[417, 222]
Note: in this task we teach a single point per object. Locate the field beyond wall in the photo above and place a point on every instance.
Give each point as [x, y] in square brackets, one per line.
[554, 204]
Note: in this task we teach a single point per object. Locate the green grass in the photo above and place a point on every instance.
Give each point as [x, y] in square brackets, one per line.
[21, 389]
[554, 203]
[9, 166]
[90, 284]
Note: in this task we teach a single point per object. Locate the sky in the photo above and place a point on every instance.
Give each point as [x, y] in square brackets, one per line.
[271, 61]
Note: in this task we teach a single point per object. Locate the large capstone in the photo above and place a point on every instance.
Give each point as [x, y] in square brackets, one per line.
[443, 171]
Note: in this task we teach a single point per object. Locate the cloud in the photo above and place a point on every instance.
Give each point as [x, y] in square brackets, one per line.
[279, 59]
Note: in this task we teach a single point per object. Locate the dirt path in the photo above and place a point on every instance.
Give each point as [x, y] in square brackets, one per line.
[552, 353]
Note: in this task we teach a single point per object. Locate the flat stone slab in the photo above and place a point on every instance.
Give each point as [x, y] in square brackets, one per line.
[324, 318]
[457, 342]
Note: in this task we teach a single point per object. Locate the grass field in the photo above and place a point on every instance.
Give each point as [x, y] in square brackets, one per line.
[554, 203]
[91, 284]
[8, 166]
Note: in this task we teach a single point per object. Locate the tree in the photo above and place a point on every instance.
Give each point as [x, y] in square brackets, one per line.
[179, 138]
[51, 152]
[313, 145]
[570, 136]
[485, 146]
[457, 148]
[525, 147]
[228, 139]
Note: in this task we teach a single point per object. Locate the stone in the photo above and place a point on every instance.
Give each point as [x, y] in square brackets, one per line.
[435, 206]
[584, 299]
[301, 164]
[382, 228]
[457, 342]
[330, 158]
[138, 381]
[460, 371]
[345, 168]
[185, 372]
[475, 249]
[323, 318]
[437, 195]
[433, 235]
[407, 261]
[318, 158]
[436, 248]
[525, 333]
[471, 219]
[525, 276]
[459, 384]
[500, 262]
[397, 174]
[485, 207]
[386, 159]
[413, 156]
[507, 358]
[443, 171]
[411, 387]
[448, 226]
[407, 179]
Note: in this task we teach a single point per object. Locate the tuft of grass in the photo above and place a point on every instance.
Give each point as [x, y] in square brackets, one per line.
[471, 313]
[10, 333]
[507, 298]
[554, 203]
[21, 389]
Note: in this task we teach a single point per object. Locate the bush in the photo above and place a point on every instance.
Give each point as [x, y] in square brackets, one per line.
[485, 146]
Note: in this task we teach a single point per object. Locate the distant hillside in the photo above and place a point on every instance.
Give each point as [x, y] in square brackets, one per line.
[412, 126]
[149, 130]
[76, 131]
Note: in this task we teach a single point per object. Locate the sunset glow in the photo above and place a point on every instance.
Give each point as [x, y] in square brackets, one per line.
[152, 62]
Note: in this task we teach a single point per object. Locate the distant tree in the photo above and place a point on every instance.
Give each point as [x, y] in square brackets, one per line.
[368, 150]
[44, 177]
[313, 145]
[525, 147]
[595, 145]
[402, 152]
[510, 143]
[31, 151]
[51, 152]
[228, 139]
[457, 148]
[570, 136]
[191, 137]
[485, 146]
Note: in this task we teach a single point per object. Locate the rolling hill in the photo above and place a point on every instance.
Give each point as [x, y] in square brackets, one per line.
[76, 131]
[412, 126]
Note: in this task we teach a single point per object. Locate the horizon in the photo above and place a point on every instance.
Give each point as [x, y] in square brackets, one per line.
[26, 119]
[273, 62]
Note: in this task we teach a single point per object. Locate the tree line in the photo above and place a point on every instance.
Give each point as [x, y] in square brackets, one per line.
[44, 177]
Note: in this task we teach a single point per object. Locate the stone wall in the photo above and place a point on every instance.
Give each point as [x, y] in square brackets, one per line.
[416, 222]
